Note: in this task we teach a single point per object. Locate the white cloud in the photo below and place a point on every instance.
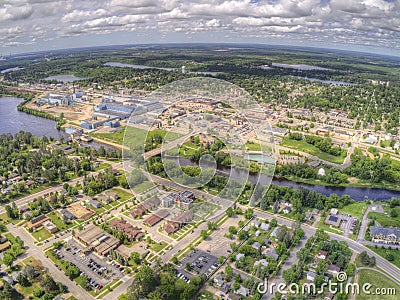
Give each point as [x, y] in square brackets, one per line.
[342, 21]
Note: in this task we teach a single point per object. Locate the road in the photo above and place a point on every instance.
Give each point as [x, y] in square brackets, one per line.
[292, 259]
[354, 245]
[168, 146]
[32, 250]
[59, 187]
[121, 289]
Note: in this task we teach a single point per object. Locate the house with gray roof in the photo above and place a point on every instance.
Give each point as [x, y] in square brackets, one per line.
[239, 256]
[271, 252]
[262, 262]
[243, 291]
[265, 226]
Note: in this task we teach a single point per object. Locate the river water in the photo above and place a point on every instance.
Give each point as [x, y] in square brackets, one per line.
[356, 193]
[12, 121]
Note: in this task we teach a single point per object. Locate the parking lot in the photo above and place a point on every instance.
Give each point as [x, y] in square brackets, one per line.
[199, 261]
[348, 226]
[98, 270]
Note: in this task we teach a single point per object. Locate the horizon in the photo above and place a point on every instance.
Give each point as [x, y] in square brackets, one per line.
[365, 26]
[215, 44]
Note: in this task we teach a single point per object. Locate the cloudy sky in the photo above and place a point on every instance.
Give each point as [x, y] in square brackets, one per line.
[30, 25]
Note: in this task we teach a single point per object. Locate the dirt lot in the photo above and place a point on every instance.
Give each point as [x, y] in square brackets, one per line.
[217, 243]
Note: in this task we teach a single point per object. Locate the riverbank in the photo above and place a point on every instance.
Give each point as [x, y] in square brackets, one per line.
[386, 186]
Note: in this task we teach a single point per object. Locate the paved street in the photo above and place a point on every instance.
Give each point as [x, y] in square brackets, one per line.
[32, 250]
[354, 245]
[30, 198]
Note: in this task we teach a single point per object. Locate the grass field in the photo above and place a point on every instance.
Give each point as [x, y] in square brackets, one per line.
[310, 149]
[143, 187]
[115, 137]
[385, 220]
[41, 234]
[355, 209]
[157, 247]
[135, 137]
[58, 222]
[6, 219]
[188, 148]
[102, 167]
[377, 280]
[253, 146]
[384, 252]
[124, 195]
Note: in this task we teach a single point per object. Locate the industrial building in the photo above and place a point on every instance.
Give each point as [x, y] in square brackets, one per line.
[55, 99]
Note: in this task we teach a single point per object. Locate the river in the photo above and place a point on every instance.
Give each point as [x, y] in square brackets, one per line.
[356, 193]
[13, 121]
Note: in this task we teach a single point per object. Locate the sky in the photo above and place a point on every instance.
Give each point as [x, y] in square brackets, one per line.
[360, 25]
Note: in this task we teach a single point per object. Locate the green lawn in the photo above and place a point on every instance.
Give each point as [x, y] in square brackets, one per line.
[377, 280]
[58, 222]
[385, 252]
[41, 234]
[253, 146]
[115, 137]
[136, 137]
[124, 195]
[157, 247]
[6, 219]
[306, 147]
[102, 167]
[188, 148]
[28, 290]
[206, 295]
[355, 209]
[143, 187]
[385, 220]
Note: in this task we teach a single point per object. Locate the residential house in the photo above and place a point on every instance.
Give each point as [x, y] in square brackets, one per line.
[328, 296]
[112, 195]
[66, 215]
[287, 209]
[256, 245]
[243, 291]
[218, 280]
[271, 252]
[103, 199]
[333, 269]
[156, 217]
[239, 256]
[265, 226]
[95, 204]
[322, 254]
[233, 297]
[311, 276]
[262, 262]
[274, 233]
